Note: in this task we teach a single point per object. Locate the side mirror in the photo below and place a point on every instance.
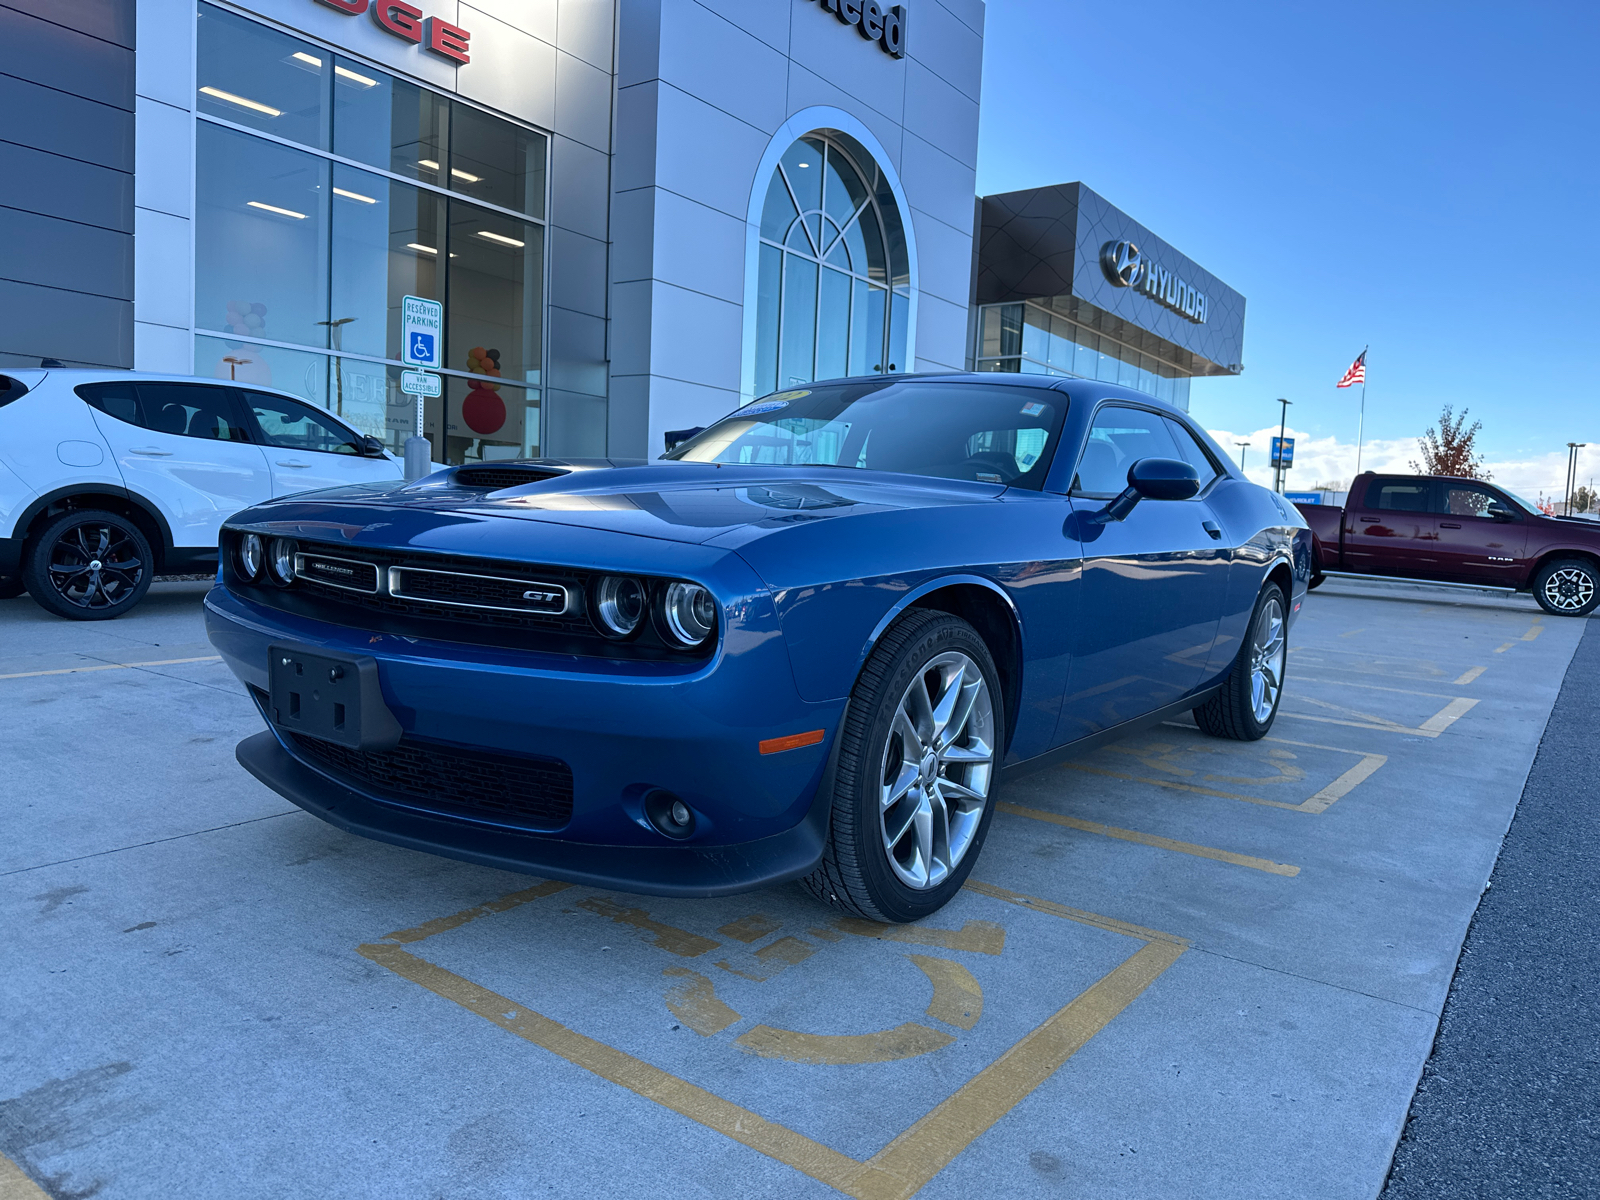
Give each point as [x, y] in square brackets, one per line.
[1152, 479]
[1500, 512]
[371, 447]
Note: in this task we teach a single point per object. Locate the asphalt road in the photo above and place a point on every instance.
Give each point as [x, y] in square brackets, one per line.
[1184, 966]
[1509, 1104]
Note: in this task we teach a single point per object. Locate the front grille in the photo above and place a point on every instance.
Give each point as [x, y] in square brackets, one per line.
[479, 591]
[494, 478]
[350, 574]
[532, 793]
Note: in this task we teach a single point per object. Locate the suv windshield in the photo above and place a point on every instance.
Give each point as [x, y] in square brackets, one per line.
[985, 433]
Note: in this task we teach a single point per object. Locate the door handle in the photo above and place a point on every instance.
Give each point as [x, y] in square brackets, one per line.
[1449, 525]
[1213, 529]
[151, 451]
[292, 462]
[1371, 520]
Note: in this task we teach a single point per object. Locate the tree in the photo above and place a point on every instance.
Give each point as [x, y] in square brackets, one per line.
[1450, 449]
[1585, 500]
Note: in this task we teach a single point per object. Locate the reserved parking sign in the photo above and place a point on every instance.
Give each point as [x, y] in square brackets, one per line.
[421, 332]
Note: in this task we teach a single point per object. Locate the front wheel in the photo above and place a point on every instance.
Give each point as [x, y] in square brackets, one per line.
[1568, 587]
[88, 566]
[1246, 706]
[918, 760]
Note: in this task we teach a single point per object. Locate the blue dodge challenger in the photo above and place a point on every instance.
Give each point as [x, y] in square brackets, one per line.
[806, 644]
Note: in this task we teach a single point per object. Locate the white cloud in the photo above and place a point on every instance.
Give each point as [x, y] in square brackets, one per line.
[1329, 460]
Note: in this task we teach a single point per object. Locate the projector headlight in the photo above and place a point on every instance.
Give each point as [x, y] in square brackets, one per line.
[281, 563]
[689, 613]
[250, 556]
[619, 605]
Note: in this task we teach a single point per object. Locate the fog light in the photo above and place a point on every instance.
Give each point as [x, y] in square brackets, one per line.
[668, 814]
[250, 556]
[281, 564]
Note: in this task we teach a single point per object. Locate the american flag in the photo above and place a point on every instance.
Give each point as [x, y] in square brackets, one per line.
[1357, 372]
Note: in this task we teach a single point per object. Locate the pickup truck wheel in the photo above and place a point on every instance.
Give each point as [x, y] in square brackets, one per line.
[1568, 587]
[918, 760]
[1248, 703]
[88, 566]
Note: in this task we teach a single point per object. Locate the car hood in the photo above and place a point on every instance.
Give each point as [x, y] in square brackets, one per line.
[672, 501]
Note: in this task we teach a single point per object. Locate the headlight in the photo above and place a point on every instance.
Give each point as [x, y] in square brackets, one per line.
[619, 605]
[282, 561]
[689, 612]
[250, 556]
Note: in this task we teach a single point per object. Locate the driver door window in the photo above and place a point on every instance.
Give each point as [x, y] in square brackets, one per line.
[1119, 438]
[309, 449]
[294, 426]
[1190, 450]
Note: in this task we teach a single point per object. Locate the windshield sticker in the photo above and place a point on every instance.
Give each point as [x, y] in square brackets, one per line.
[987, 477]
[1032, 410]
[766, 406]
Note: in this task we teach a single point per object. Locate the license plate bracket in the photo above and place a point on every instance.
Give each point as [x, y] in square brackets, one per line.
[334, 697]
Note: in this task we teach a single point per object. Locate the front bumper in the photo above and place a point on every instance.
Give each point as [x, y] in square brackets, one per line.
[623, 729]
[663, 870]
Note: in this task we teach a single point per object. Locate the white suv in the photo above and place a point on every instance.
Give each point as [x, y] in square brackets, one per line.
[109, 478]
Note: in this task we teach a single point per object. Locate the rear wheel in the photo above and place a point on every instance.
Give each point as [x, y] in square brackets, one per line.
[918, 760]
[1568, 587]
[1248, 703]
[88, 566]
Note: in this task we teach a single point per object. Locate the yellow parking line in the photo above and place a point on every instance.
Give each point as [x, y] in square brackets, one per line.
[1432, 727]
[1534, 630]
[1149, 839]
[1468, 676]
[15, 1185]
[160, 662]
[1503, 649]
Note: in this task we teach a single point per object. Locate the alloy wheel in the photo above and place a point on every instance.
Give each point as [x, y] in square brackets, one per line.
[95, 566]
[1268, 653]
[1568, 589]
[938, 765]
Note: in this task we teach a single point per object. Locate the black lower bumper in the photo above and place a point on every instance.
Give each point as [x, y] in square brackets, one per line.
[653, 871]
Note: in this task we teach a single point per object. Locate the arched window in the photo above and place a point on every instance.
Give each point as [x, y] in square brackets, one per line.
[834, 282]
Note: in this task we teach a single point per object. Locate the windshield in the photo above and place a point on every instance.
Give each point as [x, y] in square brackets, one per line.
[1530, 505]
[984, 433]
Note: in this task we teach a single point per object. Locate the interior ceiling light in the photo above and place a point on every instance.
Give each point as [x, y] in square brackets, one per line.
[253, 106]
[347, 74]
[311, 60]
[353, 196]
[467, 177]
[501, 238]
[421, 249]
[428, 163]
[273, 208]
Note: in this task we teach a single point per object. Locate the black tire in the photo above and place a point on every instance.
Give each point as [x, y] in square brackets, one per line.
[1567, 587]
[1315, 582]
[860, 872]
[10, 589]
[1235, 712]
[63, 574]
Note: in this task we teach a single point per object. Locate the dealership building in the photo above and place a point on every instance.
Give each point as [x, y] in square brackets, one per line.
[637, 214]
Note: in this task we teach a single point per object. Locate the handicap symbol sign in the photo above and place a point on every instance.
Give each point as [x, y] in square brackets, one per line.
[422, 327]
[421, 349]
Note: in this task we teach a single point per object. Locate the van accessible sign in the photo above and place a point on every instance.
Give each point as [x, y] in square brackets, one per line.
[1125, 266]
[881, 23]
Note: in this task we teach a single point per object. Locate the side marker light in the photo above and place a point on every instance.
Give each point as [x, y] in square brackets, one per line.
[793, 741]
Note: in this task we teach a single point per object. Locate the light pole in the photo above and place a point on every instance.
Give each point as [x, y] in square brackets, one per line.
[1243, 446]
[1572, 470]
[336, 329]
[1283, 422]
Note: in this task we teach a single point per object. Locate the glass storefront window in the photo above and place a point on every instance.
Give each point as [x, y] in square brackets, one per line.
[261, 220]
[293, 247]
[832, 296]
[262, 79]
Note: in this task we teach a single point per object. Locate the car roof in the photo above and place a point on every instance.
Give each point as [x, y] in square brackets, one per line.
[1057, 383]
[72, 376]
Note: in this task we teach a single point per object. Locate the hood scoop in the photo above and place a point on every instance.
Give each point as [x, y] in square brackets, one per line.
[509, 475]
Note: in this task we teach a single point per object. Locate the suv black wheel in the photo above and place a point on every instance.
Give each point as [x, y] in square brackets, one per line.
[1568, 587]
[88, 566]
[919, 756]
[1248, 703]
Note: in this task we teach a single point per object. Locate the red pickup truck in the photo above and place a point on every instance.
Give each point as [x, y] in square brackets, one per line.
[1436, 529]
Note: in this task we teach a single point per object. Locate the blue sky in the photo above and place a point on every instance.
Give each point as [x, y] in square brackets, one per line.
[1420, 177]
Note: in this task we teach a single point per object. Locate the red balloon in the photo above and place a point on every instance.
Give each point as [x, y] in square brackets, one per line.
[483, 411]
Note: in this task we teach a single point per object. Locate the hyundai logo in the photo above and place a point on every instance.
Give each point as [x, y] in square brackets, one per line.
[1122, 263]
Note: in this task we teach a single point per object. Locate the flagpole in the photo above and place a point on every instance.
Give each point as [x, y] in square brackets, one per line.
[1361, 421]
